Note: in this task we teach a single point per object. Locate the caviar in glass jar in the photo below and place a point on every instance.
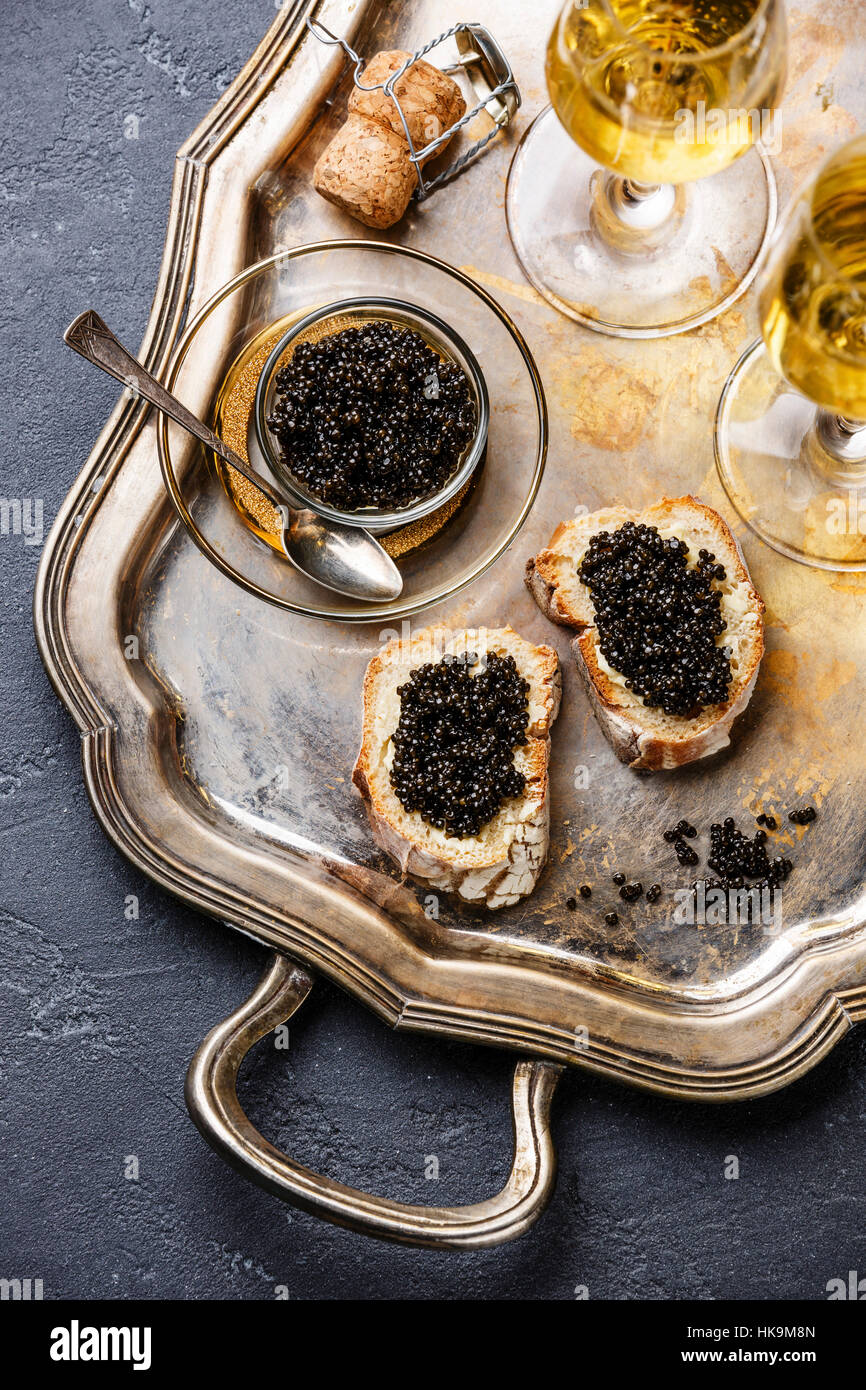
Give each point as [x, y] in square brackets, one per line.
[454, 744]
[658, 617]
[372, 417]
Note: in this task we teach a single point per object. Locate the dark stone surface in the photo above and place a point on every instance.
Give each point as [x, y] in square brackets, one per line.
[100, 1015]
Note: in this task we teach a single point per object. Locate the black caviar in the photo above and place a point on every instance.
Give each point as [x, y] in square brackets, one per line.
[454, 745]
[682, 829]
[630, 892]
[804, 816]
[372, 417]
[658, 617]
[585, 890]
[612, 918]
[735, 858]
[653, 893]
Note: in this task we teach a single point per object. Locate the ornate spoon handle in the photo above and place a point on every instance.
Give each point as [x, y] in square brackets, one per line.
[89, 336]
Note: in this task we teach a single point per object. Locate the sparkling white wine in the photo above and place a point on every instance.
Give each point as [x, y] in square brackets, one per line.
[664, 91]
[813, 301]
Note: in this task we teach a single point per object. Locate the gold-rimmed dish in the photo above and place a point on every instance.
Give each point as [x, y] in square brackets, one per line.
[271, 298]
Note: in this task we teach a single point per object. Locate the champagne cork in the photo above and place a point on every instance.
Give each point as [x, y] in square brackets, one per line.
[366, 169]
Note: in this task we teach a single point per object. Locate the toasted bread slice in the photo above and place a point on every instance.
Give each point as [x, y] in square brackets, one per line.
[646, 738]
[501, 864]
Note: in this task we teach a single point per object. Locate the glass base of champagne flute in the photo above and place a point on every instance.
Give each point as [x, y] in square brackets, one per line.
[633, 262]
[795, 473]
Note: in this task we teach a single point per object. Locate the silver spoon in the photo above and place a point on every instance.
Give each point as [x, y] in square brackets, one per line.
[344, 558]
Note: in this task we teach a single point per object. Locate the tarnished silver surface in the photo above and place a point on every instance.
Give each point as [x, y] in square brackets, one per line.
[220, 759]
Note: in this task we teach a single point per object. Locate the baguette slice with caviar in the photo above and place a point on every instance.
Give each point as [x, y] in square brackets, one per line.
[647, 737]
[498, 864]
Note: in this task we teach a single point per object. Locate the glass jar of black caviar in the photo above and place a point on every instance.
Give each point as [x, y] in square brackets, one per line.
[372, 411]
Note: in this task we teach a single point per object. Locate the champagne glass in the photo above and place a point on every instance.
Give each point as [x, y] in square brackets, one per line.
[639, 203]
[791, 423]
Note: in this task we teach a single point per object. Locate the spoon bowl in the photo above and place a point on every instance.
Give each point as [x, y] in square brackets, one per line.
[340, 557]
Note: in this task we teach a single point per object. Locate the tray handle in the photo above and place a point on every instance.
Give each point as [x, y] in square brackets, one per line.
[212, 1100]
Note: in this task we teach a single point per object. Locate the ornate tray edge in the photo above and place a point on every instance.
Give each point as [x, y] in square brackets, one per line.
[164, 324]
[826, 1024]
[834, 1015]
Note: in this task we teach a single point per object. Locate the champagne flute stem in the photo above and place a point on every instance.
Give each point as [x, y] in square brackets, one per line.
[635, 216]
[841, 438]
[639, 192]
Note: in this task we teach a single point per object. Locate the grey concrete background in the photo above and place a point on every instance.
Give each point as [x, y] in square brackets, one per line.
[100, 1015]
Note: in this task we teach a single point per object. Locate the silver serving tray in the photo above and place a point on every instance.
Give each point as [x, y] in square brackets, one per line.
[185, 727]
